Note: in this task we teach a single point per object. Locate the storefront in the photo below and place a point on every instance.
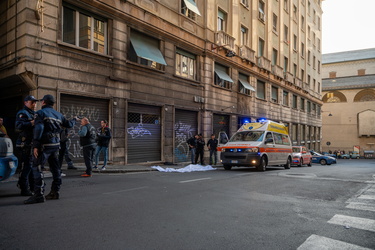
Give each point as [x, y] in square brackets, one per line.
[143, 133]
[185, 127]
[94, 109]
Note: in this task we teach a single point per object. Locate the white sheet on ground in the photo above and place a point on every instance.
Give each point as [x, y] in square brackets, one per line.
[189, 168]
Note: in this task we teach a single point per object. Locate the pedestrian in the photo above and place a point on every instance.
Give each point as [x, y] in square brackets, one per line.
[3, 130]
[46, 143]
[212, 147]
[25, 126]
[87, 134]
[192, 143]
[103, 137]
[64, 152]
[200, 150]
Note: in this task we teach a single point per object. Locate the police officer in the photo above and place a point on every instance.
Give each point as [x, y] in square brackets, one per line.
[25, 127]
[46, 142]
[87, 139]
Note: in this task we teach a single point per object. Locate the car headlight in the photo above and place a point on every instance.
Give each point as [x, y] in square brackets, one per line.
[252, 150]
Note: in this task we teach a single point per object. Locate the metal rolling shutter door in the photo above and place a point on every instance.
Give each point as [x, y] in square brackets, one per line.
[94, 109]
[144, 133]
[186, 126]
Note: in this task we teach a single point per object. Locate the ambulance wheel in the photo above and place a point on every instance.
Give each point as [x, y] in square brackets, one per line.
[227, 167]
[263, 164]
[287, 165]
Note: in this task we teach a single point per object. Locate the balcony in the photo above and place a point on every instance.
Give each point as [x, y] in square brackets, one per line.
[247, 54]
[224, 40]
[278, 71]
[264, 63]
[298, 82]
[288, 77]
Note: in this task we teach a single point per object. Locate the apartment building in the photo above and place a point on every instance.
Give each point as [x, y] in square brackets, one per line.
[349, 101]
[161, 71]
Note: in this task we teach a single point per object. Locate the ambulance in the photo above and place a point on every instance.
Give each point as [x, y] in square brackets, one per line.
[259, 145]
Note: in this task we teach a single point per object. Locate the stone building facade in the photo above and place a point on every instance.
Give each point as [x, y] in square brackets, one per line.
[349, 101]
[162, 70]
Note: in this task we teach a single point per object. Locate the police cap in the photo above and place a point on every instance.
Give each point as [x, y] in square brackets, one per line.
[48, 99]
[30, 98]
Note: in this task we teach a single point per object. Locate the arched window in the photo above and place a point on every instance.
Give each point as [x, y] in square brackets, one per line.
[366, 95]
[334, 96]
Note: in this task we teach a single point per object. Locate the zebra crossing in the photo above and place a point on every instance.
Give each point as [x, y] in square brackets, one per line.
[364, 201]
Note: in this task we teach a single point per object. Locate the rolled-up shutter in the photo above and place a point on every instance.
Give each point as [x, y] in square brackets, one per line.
[144, 133]
[94, 109]
[186, 126]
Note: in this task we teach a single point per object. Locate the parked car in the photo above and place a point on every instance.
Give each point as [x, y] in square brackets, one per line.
[322, 159]
[8, 162]
[350, 156]
[301, 156]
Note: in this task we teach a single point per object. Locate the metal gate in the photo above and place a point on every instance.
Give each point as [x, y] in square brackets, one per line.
[94, 109]
[221, 123]
[185, 127]
[144, 133]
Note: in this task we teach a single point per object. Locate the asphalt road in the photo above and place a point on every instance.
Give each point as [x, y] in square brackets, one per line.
[301, 208]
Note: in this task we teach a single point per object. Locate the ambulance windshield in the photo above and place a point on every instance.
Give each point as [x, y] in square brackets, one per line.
[248, 136]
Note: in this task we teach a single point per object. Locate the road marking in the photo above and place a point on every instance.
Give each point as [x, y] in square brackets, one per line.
[356, 222]
[195, 180]
[361, 206]
[126, 190]
[316, 242]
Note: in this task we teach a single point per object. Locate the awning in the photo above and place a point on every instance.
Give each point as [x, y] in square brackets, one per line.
[191, 5]
[246, 85]
[223, 75]
[147, 48]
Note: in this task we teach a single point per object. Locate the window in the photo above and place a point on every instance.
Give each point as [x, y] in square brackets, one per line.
[295, 70]
[308, 107]
[244, 86]
[332, 74]
[302, 104]
[261, 89]
[308, 32]
[274, 56]
[185, 64]
[245, 2]
[319, 23]
[314, 16]
[260, 47]
[361, 72]
[285, 98]
[302, 50]
[274, 22]
[309, 80]
[308, 57]
[302, 75]
[221, 20]
[303, 132]
[314, 84]
[318, 66]
[295, 43]
[308, 8]
[286, 5]
[262, 11]
[145, 51]
[244, 33]
[84, 30]
[222, 79]
[286, 34]
[314, 40]
[286, 63]
[302, 22]
[295, 13]
[275, 94]
[189, 9]
[318, 42]
[294, 104]
[314, 62]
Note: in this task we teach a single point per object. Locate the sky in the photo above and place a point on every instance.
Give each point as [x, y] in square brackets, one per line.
[348, 25]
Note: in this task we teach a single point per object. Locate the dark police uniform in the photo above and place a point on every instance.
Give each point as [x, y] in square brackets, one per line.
[23, 145]
[48, 123]
[87, 140]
